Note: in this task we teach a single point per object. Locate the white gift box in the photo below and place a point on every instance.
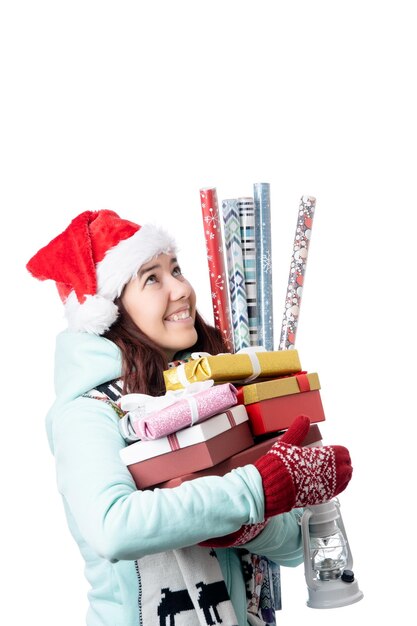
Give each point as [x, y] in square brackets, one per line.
[189, 450]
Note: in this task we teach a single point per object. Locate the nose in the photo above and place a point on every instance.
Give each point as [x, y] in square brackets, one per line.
[179, 288]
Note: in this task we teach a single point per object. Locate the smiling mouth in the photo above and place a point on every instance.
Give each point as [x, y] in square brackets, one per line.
[179, 317]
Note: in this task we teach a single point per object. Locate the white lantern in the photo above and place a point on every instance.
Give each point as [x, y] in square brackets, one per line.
[327, 558]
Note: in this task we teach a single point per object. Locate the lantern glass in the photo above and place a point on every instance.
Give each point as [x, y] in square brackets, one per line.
[329, 555]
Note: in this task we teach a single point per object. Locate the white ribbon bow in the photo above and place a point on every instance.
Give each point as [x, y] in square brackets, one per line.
[139, 405]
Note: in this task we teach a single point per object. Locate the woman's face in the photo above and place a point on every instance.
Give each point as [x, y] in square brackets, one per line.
[161, 302]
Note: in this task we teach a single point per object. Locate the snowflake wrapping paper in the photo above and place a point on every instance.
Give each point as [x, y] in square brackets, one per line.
[261, 195]
[235, 268]
[216, 265]
[297, 272]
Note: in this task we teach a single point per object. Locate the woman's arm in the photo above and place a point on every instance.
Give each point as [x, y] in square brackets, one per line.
[280, 541]
[119, 521]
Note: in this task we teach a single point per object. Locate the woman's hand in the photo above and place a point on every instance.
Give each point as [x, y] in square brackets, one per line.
[293, 476]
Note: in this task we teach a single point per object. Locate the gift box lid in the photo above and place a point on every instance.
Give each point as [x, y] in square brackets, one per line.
[142, 450]
[284, 386]
[234, 368]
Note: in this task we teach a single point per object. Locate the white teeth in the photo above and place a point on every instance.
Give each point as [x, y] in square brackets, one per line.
[179, 316]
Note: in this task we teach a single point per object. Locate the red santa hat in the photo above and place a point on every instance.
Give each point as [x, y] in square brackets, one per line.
[91, 262]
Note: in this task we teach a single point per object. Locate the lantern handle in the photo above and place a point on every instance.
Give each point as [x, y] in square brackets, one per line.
[308, 571]
[349, 564]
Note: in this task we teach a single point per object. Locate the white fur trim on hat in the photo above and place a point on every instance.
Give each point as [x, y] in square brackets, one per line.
[120, 264]
[95, 315]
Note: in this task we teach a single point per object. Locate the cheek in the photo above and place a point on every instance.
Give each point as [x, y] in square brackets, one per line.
[140, 309]
[150, 317]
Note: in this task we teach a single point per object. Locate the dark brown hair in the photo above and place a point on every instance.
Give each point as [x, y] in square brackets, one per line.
[143, 361]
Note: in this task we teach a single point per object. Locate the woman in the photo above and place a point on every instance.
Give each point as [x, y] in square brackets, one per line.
[130, 311]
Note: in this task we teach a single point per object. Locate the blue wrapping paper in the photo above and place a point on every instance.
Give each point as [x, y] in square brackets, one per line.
[261, 192]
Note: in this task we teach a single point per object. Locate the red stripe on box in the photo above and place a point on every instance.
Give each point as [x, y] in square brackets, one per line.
[173, 441]
[231, 418]
[303, 382]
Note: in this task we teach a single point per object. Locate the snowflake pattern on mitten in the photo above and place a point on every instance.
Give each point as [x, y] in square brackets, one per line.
[313, 471]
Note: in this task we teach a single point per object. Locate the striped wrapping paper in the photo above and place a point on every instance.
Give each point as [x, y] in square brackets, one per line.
[247, 233]
[261, 192]
[237, 289]
[216, 265]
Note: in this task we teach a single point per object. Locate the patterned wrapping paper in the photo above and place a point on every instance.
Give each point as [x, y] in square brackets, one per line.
[233, 368]
[297, 272]
[215, 258]
[179, 415]
[261, 194]
[239, 307]
[247, 234]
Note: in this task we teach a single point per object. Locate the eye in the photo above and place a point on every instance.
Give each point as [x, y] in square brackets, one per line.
[177, 271]
[150, 280]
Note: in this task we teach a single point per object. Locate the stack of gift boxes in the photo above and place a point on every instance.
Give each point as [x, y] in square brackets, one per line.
[264, 392]
[224, 411]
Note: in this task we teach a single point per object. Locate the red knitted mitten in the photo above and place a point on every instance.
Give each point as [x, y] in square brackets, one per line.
[297, 477]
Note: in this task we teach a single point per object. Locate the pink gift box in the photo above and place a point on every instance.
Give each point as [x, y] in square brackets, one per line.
[179, 414]
[188, 450]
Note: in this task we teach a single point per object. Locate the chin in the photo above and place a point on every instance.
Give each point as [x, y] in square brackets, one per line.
[188, 341]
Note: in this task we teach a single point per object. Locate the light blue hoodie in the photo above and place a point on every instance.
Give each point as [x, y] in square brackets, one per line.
[113, 523]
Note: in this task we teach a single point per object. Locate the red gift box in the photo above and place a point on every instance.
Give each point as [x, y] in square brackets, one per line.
[281, 401]
[191, 449]
[245, 457]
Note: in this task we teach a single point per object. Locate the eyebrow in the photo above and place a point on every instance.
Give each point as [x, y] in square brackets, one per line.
[144, 270]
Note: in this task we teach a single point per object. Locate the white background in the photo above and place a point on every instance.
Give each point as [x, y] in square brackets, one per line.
[134, 106]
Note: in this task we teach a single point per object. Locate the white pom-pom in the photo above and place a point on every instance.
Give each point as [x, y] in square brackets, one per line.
[95, 315]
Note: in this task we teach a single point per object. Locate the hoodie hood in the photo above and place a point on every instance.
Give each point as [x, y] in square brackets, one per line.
[82, 361]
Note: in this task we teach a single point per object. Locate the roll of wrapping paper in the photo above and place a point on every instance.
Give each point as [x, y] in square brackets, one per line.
[216, 264]
[247, 234]
[261, 196]
[237, 289]
[297, 273]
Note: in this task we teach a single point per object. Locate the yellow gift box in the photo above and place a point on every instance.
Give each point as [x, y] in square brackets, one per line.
[240, 368]
[277, 388]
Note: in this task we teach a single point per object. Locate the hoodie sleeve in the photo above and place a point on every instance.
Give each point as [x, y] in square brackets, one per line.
[121, 522]
[281, 540]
